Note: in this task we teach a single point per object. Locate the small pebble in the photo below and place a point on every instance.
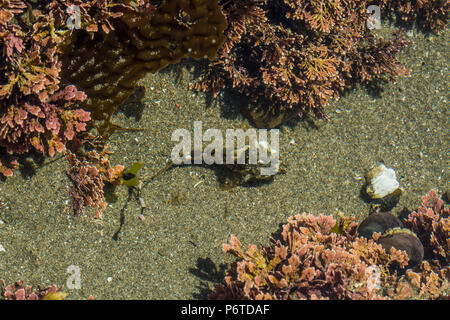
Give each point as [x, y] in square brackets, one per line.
[109, 279]
[142, 202]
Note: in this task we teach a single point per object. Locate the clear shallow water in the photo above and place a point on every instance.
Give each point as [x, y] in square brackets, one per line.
[176, 251]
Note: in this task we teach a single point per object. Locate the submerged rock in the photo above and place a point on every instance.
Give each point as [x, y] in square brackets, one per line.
[403, 239]
[378, 222]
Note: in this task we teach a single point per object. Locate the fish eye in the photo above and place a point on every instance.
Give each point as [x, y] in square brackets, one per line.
[128, 176]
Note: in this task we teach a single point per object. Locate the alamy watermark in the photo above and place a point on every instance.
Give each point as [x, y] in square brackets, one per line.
[373, 278]
[374, 21]
[74, 20]
[74, 279]
[257, 151]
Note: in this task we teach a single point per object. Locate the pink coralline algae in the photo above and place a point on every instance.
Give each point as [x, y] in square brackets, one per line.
[17, 291]
[43, 126]
[292, 57]
[431, 223]
[317, 258]
[87, 185]
[88, 172]
[310, 261]
[36, 114]
[427, 282]
[39, 112]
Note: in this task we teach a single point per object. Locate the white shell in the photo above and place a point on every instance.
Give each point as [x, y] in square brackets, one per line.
[381, 182]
